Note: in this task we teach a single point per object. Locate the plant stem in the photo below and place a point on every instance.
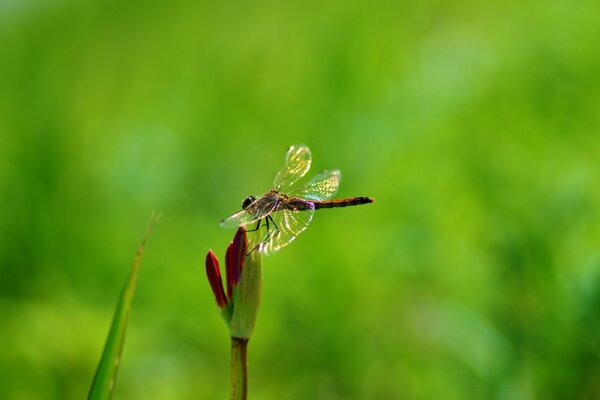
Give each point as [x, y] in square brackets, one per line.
[239, 369]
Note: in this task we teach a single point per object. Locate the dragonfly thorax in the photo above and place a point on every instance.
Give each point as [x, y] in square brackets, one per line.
[247, 201]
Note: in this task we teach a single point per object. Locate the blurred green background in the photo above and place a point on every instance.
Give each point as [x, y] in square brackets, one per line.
[474, 275]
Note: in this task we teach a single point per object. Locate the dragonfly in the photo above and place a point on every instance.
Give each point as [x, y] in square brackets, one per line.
[285, 212]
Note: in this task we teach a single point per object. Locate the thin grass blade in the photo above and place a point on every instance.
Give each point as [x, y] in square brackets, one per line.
[106, 374]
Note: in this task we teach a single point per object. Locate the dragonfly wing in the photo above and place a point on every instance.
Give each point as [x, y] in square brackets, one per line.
[289, 225]
[297, 164]
[322, 187]
[240, 218]
[255, 211]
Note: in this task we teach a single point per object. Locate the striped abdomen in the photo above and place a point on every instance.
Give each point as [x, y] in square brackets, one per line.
[352, 201]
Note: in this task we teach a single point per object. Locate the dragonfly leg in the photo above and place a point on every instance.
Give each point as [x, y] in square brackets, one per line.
[266, 239]
[270, 232]
[268, 235]
[256, 228]
[253, 249]
[259, 245]
[273, 222]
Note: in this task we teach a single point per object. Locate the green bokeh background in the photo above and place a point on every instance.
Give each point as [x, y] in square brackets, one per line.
[474, 275]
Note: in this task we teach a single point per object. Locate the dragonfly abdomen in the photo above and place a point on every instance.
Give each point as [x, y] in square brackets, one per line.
[353, 201]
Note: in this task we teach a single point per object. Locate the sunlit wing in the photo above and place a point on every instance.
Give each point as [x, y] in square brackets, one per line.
[290, 224]
[255, 211]
[297, 164]
[322, 187]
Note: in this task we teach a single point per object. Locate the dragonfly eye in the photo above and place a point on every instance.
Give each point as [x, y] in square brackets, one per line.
[247, 201]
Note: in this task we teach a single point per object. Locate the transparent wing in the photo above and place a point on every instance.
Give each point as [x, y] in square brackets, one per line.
[255, 211]
[297, 164]
[322, 187]
[289, 225]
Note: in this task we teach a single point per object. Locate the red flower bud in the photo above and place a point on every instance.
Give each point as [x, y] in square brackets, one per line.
[214, 278]
[239, 302]
[234, 259]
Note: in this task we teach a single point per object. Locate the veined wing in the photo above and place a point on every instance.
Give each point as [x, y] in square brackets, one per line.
[261, 207]
[297, 164]
[322, 187]
[289, 225]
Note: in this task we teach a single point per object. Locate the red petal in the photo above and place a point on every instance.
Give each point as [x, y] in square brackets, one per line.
[240, 242]
[230, 270]
[234, 259]
[214, 278]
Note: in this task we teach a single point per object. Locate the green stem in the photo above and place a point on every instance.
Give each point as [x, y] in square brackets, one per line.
[239, 369]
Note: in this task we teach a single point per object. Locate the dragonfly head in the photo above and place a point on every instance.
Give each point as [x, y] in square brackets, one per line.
[247, 201]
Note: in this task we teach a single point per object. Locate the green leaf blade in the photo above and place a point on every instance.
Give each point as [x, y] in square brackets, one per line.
[104, 379]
